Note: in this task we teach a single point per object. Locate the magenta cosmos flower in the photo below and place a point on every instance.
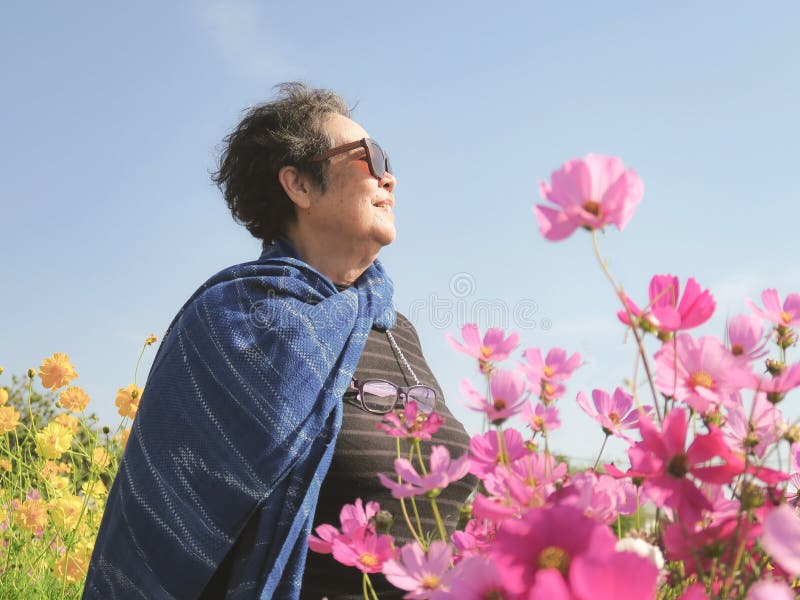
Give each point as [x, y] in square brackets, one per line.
[786, 314]
[493, 348]
[411, 423]
[614, 413]
[364, 550]
[418, 572]
[665, 463]
[550, 553]
[508, 396]
[352, 517]
[707, 374]
[590, 193]
[442, 473]
[664, 312]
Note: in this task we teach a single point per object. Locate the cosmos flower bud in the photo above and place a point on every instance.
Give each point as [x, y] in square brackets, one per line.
[383, 521]
[31, 373]
[774, 367]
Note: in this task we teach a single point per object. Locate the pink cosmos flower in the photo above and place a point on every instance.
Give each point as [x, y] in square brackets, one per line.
[556, 367]
[494, 346]
[442, 473]
[352, 517]
[546, 376]
[590, 193]
[706, 373]
[752, 430]
[664, 312]
[545, 544]
[364, 550]
[794, 454]
[776, 387]
[418, 572]
[746, 338]
[786, 314]
[600, 497]
[706, 543]
[618, 576]
[474, 578]
[484, 450]
[664, 461]
[411, 423]
[528, 483]
[781, 538]
[613, 413]
[507, 396]
[770, 590]
[541, 418]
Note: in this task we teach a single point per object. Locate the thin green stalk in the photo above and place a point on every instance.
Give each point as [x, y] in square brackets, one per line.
[371, 589]
[594, 468]
[618, 289]
[439, 521]
[417, 537]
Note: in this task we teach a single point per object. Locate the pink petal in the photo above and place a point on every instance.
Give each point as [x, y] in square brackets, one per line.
[555, 225]
[781, 538]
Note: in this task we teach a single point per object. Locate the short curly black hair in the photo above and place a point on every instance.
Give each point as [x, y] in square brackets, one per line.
[287, 131]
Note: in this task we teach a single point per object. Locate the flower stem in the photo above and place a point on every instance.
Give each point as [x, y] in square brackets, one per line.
[620, 294]
[417, 537]
[439, 521]
[605, 439]
[138, 360]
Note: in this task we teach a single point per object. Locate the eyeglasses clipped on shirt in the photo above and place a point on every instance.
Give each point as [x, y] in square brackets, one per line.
[379, 396]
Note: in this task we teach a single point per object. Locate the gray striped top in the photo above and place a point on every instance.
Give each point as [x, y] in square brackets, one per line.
[362, 451]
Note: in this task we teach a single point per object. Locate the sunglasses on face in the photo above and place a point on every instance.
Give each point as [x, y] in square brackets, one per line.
[377, 159]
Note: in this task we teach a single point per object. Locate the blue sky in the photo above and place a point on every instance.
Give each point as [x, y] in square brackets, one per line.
[112, 118]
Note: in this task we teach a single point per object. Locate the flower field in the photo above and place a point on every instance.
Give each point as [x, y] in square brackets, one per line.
[55, 471]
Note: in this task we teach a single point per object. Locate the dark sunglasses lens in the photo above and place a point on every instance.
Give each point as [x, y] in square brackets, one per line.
[379, 396]
[378, 160]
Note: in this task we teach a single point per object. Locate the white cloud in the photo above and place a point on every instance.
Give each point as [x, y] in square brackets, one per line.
[244, 35]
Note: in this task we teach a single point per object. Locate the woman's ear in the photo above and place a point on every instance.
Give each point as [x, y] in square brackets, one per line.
[296, 185]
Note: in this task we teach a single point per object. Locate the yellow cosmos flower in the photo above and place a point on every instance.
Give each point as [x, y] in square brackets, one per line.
[95, 489]
[49, 469]
[128, 400]
[9, 419]
[57, 371]
[122, 437]
[61, 485]
[67, 421]
[5, 465]
[31, 515]
[74, 398]
[53, 440]
[66, 511]
[101, 457]
[72, 566]
[3, 396]
[151, 339]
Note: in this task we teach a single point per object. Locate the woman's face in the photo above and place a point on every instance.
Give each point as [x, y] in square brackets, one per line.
[356, 208]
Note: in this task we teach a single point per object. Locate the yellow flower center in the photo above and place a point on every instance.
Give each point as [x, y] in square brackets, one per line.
[614, 418]
[430, 582]
[368, 559]
[548, 389]
[593, 207]
[486, 352]
[548, 371]
[785, 317]
[554, 557]
[701, 379]
[538, 421]
[499, 404]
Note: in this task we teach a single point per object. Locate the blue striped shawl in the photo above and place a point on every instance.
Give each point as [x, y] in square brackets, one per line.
[235, 433]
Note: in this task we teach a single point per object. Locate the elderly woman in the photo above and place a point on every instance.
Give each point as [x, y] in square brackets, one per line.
[261, 405]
